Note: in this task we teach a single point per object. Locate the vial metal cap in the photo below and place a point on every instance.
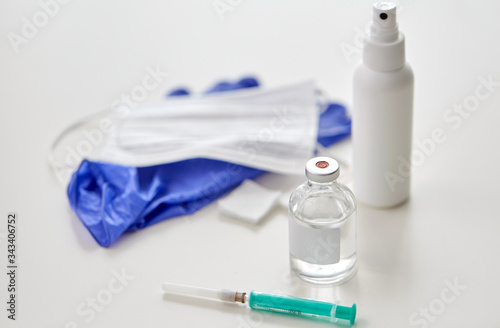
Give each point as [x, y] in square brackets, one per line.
[322, 169]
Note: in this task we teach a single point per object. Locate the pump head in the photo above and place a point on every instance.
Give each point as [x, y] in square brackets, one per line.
[384, 26]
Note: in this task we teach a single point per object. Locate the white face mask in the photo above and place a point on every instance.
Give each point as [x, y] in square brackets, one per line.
[273, 130]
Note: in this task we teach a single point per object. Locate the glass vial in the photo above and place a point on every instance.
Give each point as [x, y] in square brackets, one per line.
[322, 225]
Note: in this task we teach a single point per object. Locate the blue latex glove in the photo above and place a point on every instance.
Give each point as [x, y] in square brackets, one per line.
[111, 199]
[246, 82]
[334, 125]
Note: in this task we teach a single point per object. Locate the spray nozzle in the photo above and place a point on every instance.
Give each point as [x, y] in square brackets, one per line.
[384, 26]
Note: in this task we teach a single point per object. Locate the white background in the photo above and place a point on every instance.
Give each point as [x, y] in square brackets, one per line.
[92, 52]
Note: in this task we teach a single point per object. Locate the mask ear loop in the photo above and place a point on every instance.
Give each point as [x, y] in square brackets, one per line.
[63, 148]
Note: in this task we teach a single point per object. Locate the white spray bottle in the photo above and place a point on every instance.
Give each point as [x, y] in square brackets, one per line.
[382, 114]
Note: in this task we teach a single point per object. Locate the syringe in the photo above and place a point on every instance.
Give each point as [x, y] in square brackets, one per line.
[269, 302]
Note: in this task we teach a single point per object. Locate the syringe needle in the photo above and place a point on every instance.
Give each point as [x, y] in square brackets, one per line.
[202, 292]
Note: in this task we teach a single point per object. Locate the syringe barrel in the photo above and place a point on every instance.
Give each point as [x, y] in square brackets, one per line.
[300, 306]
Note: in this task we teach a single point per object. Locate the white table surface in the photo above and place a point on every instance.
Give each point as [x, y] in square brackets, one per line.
[91, 52]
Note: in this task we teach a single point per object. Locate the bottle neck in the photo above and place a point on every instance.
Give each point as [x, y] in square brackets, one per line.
[314, 184]
[383, 56]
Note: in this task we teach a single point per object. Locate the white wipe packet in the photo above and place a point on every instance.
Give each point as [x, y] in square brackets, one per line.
[249, 202]
[272, 130]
